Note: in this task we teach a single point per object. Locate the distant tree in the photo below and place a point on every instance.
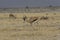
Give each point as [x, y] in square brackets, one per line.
[27, 8]
[50, 6]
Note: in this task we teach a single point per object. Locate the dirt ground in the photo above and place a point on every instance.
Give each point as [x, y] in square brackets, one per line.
[17, 29]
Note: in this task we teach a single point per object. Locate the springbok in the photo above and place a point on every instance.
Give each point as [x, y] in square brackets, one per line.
[44, 18]
[12, 16]
[30, 20]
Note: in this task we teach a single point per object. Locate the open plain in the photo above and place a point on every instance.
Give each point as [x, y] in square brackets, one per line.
[17, 29]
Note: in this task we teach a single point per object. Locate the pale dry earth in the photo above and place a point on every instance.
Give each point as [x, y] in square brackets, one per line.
[17, 29]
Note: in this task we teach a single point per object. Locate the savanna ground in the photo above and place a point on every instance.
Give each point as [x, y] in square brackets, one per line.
[17, 29]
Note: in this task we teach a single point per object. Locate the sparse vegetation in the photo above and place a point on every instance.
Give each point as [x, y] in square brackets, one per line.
[17, 30]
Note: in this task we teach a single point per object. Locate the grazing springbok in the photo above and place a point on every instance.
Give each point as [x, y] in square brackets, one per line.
[12, 16]
[30, 20]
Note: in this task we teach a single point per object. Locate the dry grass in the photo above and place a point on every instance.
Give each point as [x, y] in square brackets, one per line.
[15, 29]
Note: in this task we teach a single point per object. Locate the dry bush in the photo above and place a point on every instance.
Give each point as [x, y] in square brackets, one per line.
[46, 13]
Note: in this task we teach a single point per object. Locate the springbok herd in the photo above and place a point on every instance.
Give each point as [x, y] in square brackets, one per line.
[31, 19]
[30, 26]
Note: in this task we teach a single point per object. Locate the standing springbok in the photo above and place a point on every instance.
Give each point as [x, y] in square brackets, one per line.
[12, 16]
[44, 18]
[30, 20]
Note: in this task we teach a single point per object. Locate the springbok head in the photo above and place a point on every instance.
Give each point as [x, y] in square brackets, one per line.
[24, 18]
